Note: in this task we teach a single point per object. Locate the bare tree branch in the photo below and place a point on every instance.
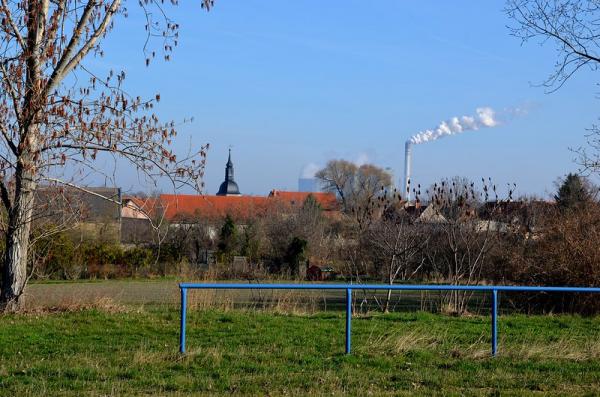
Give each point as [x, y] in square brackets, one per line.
[13, 25]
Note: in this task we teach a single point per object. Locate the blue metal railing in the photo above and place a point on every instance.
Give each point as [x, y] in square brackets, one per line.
[494, 289]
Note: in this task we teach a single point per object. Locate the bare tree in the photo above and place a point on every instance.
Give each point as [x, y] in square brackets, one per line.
[460, 240]
[56, 114]
[356, 186]
[312, 226]
[337, 177]
[387, 244]
[572, 27]
[395, 243]
[370, 182]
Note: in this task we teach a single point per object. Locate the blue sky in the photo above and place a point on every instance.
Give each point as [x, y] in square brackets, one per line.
[293, 83]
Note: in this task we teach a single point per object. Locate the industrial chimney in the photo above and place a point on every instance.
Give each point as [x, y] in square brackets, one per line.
[407, 163]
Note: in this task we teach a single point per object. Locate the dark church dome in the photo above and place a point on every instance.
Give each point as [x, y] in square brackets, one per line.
[229, 187]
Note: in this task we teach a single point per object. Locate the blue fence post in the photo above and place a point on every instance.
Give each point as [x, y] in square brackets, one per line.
[348, 319]
[183, 320]
[494, 322]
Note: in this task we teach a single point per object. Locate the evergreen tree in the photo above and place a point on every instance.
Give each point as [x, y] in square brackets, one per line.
[311, 205]
[296, 253]
[573, 192]
[227, 239]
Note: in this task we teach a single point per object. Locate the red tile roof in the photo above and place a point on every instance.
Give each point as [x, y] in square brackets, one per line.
[327, 201]
[183, 205]
[239, 207]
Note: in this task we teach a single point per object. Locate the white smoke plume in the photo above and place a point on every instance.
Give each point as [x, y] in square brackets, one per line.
[485, 118]
[361, 159]
[309, 170]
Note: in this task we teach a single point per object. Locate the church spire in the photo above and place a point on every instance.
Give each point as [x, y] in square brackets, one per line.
[229, 187]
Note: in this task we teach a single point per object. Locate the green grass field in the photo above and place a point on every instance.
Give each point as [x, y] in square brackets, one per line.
[132, 350]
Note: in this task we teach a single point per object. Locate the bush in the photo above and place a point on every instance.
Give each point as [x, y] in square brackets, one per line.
[138, 259]
[564, 253]
[56, 257]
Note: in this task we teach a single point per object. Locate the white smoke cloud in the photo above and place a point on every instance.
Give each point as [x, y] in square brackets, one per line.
[361, 159]
[309, 170]
[485, 118]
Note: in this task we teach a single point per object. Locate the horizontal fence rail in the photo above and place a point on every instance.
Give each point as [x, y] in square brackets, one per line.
[493, 289]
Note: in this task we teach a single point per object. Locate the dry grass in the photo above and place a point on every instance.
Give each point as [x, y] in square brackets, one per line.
[67, 305]
[292, 302]
[274, 301]
[400, 342]
[565, 348]
[204, 299]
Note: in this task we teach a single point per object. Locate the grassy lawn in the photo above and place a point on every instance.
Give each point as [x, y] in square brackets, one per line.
[96, 352]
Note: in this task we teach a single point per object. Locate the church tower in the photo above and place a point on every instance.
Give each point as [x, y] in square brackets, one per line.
[229, 187]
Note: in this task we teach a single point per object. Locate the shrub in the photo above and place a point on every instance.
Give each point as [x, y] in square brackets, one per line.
[56, 257]
[138, 259]
[565, 253]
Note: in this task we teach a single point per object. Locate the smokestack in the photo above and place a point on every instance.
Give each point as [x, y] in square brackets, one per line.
[407, 164]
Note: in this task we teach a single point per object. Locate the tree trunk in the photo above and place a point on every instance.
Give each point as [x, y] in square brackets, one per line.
[391, 277]
[388, 299]
[14, 269]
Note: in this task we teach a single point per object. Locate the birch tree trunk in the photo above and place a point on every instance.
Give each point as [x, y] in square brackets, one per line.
[14, 274]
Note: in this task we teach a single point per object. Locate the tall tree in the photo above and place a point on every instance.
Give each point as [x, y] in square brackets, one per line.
[228, 239]
[356, 186]
[338, 177]
[57, 114]
[369, 182]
